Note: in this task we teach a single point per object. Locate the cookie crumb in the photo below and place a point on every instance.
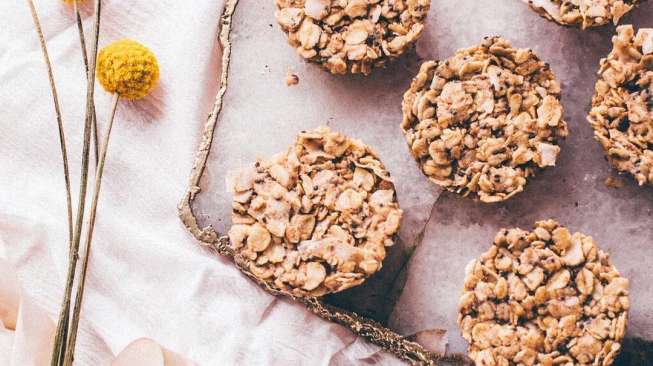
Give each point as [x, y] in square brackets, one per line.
[613, 182]
[291, 79]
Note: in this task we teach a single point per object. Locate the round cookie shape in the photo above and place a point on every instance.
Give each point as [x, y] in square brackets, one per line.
[622, 105]
[485, 120]
[351, 36]
[545, 297]
[583, 13]
[315, 219]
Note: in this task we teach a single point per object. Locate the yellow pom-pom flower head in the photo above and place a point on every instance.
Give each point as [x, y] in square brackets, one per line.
[127, 68]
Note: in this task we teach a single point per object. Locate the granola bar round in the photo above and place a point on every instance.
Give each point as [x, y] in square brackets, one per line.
[583, 13]
[546, 297]
[351, 35]
[483, 121]
[622, 106]
[315, 219]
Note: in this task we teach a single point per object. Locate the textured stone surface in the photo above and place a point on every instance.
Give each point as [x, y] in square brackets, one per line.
[262, 115]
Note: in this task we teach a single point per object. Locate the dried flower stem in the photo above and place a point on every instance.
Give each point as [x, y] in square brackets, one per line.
[56, 354]
[57, 109]
[70, 348]
[82, 43]
[64, 317]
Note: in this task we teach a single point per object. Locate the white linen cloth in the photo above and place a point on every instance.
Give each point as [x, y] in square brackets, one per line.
[148, 277]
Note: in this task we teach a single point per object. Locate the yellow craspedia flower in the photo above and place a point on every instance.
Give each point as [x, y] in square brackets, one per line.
[72, 1]
[127, 68]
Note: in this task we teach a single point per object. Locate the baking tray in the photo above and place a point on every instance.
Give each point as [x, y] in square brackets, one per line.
[256, 114]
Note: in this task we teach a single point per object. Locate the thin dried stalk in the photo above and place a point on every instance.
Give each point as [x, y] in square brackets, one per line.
[82, 44]
[57, 109]
[56, 354]
[70, 348]
[64, 317]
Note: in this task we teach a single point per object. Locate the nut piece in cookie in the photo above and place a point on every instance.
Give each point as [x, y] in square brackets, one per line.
[622, 106]
[482, 122]
[315, 219]
[583, 13]
[544, 297]
[351, 36]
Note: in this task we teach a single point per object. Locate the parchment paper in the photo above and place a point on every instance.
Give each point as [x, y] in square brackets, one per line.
[574, 193]
[261, 116]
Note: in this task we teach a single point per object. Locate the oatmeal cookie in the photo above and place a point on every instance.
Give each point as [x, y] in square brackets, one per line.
[583, 13]
[546, 297]
[483, 121]
[315, 219]
[622, 106]
[351, 35]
